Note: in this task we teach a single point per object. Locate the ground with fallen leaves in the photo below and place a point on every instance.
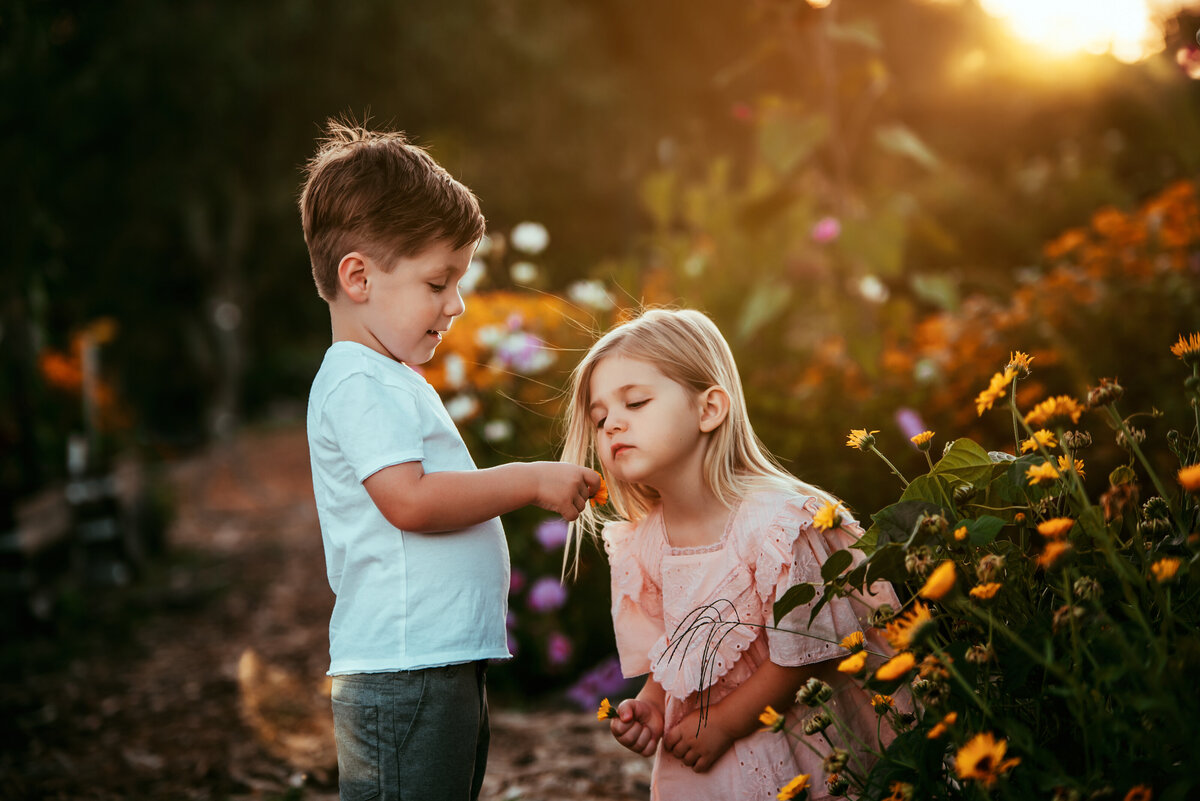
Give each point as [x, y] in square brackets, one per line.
[204, 679]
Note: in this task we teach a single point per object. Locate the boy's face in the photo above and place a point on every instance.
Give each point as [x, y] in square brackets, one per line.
[409, 308]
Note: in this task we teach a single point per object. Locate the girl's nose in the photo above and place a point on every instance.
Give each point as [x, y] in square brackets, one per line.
[614, 423]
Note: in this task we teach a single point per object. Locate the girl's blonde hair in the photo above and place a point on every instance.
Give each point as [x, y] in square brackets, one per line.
[686, 347]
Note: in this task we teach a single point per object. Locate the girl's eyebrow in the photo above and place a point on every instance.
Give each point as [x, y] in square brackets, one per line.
[620, 390]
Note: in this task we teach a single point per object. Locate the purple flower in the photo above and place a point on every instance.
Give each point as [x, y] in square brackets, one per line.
[510, 620]
[516, 582]
[523, 352]
[558, 649]
[552, 533]
[909, 422]
[826, 230]
[603, 681]
[547, 594]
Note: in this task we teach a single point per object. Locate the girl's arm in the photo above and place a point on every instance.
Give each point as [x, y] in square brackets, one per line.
[639, 721]
[735, 717]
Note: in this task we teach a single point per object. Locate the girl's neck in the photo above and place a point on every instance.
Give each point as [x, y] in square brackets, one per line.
[695, 519]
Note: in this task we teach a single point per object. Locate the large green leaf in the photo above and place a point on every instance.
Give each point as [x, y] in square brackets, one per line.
[982, 530]
[895, 523]
[967, 462]
[835, 564]
[932, 489]
[796, 596]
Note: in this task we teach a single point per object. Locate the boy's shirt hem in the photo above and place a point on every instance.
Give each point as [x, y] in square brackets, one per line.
[388, 666]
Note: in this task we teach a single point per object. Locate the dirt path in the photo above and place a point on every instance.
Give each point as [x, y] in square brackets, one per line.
[218, 690]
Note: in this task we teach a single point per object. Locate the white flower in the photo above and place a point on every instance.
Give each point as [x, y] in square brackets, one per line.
[476, 272]
[489, 336]
[872, 289]
[591, 294]
[530, 237]
[462, 407]
[456, 370]
[523, 272]
[497, 430]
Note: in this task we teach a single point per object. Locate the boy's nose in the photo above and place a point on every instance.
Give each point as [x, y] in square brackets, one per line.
[455, 305]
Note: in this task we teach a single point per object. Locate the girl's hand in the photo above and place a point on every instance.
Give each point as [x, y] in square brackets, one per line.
[698, 750]
[638, 726]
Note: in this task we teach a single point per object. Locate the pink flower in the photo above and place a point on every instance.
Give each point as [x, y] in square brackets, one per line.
[558, 648]
[516, 581]
[551, 533]
[826, 230]
[547, 594]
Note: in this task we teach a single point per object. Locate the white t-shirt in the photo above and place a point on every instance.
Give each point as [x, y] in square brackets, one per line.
[404, 600]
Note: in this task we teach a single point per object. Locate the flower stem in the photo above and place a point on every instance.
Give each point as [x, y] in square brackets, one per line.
[886, 461]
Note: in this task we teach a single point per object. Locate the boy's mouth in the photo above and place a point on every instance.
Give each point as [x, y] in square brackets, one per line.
[436, 334]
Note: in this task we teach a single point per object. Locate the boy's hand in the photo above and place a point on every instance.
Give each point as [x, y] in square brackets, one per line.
[637, 726]
[563, 488]
[699, 751]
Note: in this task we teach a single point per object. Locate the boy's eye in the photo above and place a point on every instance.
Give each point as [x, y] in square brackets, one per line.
[437, 287]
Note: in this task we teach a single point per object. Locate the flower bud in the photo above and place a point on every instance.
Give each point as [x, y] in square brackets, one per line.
[1138, 435]
[881, 615]
[814, 692]
[979, 654]
[837, 759]
[1064, 615]
[919, 561]
[990, 567]
[818, 723]
[1087, 588]
[1108, 392]
[837, 784]
[933, 525]
[1154, 528]
[921, 686]
[1076, 440]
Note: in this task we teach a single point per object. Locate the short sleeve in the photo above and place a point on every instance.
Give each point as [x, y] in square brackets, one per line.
[375, 425]
[637, 607]
[793, 553]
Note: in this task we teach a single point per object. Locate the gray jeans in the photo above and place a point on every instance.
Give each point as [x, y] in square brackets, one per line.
[412, 735]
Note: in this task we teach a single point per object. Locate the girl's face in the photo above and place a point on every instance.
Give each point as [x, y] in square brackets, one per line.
[648, 428]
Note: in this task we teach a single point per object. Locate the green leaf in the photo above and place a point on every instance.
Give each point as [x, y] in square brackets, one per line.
[835, 564]
[798, 595]
[934, 490]
[895, 523]
[900, 139]
[887, 563]
[967, 462]
[982, 530]
[765, 303]
[788, 137]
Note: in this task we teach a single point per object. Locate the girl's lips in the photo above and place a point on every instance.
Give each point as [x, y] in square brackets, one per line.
[617, 450]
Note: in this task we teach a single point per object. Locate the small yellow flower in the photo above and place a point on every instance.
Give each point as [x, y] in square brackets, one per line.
[1042, 438]
[861, 438]
[996, 388]
[771, 720]
[853, 664]
[1021, 361]
[606, 711]
[986, 591]
[601, 496]
[940, 582]
[853, 642]
[1065, 465]
[1055, 528]
[1053, 551]
[1164, 569]
[942, 726]
[896, 667]
[828, 517]
[882, 703]
[1187, 347]
[793, 788]
[922, 440]
[1052, 408]
[1189, 478]
[982, 759]
[904, 632]
[1041, 472]
[960, 533]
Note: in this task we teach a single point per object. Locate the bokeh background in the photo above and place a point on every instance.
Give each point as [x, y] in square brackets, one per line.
[877, 200]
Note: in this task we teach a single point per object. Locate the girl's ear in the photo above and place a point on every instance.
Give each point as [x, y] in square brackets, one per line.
[714, 408]
[352, 276]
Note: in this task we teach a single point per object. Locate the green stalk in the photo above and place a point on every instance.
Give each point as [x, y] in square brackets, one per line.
[886, 461]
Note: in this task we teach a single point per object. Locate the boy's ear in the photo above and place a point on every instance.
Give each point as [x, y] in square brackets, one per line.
[714, 408]
[352, 276]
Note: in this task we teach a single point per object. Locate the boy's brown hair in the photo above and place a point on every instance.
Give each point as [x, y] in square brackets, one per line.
[376, 192]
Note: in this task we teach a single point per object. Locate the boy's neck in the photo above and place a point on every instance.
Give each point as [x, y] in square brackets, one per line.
[345, 327]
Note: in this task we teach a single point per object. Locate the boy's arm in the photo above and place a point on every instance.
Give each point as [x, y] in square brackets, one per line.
[413, 500]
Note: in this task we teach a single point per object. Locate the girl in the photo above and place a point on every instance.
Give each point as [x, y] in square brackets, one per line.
[711, 532]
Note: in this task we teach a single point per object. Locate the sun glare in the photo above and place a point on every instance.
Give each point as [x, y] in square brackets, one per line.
[1126, 28]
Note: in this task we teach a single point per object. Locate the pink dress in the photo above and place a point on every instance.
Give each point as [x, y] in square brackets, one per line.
[676, 612]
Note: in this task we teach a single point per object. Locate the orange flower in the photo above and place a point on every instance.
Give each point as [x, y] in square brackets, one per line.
[853, 642]
[960, 533]
[1164, 569]
[793, 788]
[771, 720]
[1053, 551]
[606, 711]
[853, 664]
[601, 496]
[904, 632]
[1055, 528]
[1189, 478]
[1065, 465]
[940, 582]
[1051, 408]
[896, 667]
[1042, 472]
[1187, 347]
[986, 591]
[1042, 438]
[996, 388]
[1139, 792]
[942, 726]
[982, 759]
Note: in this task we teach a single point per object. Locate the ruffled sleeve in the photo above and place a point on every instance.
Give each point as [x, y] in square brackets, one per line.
[792, 552]
[637, 603]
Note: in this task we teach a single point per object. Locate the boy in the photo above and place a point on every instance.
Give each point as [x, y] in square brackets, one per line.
[414, 549]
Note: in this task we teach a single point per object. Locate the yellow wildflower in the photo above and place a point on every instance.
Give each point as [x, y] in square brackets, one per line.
[982, 759]
[996, 388]
[882, 703]
[853, 642]
[853, 664]
[1164, 569]
[772, 720]
[793, 788]
[1042, 472]
[986, 591]
[1052, 553]
[1055, 528]
[1020, 361]
[903, 632]
[606, 711]
[827, 516]
[1051, 408]
[940, 582]
[1042, 438]
[1189, 478]
[922, 440]
[1065, 465]
[942, 726]
[896, 667]
[960, 533]
[601, 496]
[1187, 347]
[861, 438]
